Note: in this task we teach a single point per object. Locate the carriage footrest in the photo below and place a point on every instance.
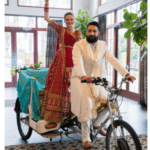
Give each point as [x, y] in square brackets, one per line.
[40, 126]
[25, 120]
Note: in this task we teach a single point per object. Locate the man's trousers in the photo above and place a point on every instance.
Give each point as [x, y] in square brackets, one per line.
[85, 126]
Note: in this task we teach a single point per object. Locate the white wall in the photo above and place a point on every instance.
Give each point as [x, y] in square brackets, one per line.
[81, 4]
[89, 5]
[15, 10]
[94, 8]
[113, 4]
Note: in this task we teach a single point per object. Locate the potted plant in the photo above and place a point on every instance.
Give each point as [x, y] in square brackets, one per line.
[82, 20]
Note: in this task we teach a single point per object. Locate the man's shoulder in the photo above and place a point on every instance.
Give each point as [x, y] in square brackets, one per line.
[81, 42]
[84, 42]
[100, 41]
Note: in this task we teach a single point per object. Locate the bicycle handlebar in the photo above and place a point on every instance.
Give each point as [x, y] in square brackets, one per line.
[103, 80]
[97, 80]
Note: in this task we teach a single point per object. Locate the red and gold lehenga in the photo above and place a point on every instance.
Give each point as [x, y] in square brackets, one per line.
[56, 103]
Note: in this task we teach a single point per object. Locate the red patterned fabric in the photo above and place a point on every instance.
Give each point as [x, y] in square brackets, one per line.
[57, 97]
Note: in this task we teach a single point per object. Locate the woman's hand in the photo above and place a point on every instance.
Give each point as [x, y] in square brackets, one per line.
[46, 1]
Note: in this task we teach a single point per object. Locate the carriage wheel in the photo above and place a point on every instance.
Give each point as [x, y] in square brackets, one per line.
[23, 124]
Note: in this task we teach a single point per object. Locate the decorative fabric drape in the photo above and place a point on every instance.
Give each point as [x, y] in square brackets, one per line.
[102, 23]
[51, 43]
[143, 80]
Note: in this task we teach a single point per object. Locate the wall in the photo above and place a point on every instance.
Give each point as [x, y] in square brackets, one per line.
[81, 4]
[94, 8]
[15, 10]
[113, 4]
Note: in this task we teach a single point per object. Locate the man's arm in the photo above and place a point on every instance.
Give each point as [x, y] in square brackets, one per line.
[118, 66]
[115, 63]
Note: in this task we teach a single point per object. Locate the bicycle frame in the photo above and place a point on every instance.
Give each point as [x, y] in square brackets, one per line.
[111, 116]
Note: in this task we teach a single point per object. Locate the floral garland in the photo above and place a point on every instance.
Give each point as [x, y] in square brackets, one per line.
[15, 70]
[102, 105]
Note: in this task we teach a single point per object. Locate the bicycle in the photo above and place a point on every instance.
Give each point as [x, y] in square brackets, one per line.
[116, 136]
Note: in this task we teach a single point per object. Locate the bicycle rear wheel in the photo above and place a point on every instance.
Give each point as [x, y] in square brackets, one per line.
[127, 139]
[23, 124]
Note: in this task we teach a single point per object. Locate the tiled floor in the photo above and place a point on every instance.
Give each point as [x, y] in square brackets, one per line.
[132, 112]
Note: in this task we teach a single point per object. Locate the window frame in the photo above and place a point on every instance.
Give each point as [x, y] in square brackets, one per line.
[23, 16]
[34, 30]
[71, 7]
[126, 93]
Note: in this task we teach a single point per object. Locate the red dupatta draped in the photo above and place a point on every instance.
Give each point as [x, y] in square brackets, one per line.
[57, 97]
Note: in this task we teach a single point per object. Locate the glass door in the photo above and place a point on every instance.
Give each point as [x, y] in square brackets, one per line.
[134, 65]
[128, 56]
[19, 52]
[25, 49]
[9, 80]
[122, 53]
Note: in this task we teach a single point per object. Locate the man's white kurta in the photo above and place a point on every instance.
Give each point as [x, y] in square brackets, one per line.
[89, 63]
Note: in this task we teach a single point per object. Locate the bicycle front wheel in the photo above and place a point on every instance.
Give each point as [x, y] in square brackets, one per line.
[127, 139]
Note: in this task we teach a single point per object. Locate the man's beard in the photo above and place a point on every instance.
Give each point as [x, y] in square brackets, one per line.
[92, 39]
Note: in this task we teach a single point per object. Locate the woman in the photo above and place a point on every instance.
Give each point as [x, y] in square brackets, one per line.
[56, 103]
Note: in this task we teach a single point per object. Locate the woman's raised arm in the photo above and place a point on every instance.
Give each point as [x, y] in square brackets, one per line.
[52, 23]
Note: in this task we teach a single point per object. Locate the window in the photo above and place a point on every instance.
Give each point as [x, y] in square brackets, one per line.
[25, 49]
[42, 39]
[111, 49]
[110, 39]
[131, 8]
[134, 64]
[42, 23]
[8, 56]
[18, 21]
[120, 15]
[127, 51]
[64, 4]
[122, 53]
[110, 19]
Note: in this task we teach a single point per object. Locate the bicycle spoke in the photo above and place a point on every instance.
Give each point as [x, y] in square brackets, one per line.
[125, 138]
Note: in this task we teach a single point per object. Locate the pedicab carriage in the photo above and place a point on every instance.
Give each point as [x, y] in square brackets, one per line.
[30, 96]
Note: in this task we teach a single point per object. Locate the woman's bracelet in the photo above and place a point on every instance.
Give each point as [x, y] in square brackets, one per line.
[46, 9]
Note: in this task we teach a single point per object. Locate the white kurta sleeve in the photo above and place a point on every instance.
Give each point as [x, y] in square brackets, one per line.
[78, 61]
[115, 63]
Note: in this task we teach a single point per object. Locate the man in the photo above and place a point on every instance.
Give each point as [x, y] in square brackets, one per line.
[89, 62]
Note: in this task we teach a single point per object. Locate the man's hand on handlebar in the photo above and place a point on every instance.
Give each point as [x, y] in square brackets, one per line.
[88, 79]
[131, 78]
